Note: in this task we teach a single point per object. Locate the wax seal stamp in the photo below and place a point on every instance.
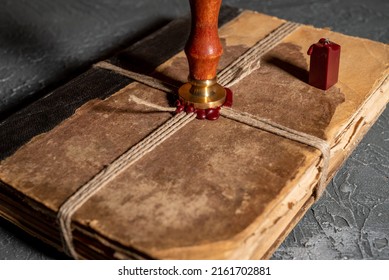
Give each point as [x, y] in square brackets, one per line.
[202, 94]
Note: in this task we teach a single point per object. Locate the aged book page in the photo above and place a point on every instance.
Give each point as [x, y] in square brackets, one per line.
[220, 190]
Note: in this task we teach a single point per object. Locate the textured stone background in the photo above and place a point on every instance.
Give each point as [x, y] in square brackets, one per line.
[44, 43]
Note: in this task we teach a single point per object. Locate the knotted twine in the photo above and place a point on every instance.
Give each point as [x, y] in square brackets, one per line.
[233, 73]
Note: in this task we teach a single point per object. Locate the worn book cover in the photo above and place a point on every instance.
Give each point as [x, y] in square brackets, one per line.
[220, 189]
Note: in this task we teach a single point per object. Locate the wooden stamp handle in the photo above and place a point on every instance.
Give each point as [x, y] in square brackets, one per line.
[203, 48]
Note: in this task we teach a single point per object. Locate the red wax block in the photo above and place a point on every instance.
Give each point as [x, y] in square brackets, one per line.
[324, 65]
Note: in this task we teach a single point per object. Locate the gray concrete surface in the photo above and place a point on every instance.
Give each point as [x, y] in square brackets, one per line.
[44, 43]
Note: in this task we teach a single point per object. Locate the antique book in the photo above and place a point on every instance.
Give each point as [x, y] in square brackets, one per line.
[224, 189]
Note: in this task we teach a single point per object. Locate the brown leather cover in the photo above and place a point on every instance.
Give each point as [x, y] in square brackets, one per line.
[216, 189]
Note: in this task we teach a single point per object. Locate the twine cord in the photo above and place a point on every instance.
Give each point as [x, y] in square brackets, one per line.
[143, 79]
[233, 73]
[143, 102]
[288, 133]
[76, 200]
[250, 60]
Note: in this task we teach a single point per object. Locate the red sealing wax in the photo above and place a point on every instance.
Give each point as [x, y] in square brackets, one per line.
[202, 114]
[324, 65]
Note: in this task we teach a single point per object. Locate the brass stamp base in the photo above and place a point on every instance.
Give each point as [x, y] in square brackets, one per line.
[203, 94]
